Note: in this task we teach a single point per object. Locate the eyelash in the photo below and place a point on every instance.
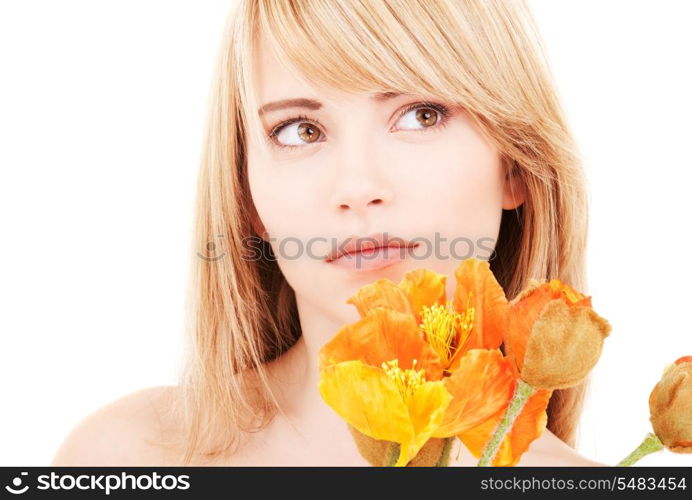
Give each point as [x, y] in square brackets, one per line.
[441, 109]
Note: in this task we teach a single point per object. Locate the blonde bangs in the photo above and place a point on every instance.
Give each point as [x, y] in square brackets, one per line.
[485, 56]
[365, 46]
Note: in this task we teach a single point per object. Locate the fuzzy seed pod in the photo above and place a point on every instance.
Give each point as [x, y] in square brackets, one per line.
[379, 452]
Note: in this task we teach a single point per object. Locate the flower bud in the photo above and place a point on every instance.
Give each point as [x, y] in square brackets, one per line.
[564, 345]
[554, 336]
[670, 406]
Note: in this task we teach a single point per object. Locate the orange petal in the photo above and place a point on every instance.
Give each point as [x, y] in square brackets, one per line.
[684, 359]
[482, 386]
[383, 335]
[527, 307]
[528, 426]
[487, 297]
[424, 288]
[380, 293]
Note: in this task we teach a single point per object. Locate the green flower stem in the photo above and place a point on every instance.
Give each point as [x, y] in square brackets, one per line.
[396, 449]
[650, 444]
[444, 458]
[522, 393]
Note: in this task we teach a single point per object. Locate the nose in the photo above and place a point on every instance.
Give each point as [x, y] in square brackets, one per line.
[361, 181]
[358, 199]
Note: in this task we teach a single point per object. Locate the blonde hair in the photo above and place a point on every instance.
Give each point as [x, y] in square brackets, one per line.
[483, 54]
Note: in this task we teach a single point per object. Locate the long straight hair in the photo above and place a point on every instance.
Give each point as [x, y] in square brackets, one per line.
[485, 55]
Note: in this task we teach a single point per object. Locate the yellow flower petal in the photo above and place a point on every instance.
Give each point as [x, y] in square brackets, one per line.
[369, 400]
[366, 398]
[427, 408]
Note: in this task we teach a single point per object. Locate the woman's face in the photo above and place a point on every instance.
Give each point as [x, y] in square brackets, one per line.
[343, 166]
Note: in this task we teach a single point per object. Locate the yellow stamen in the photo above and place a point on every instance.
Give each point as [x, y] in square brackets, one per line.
[447, 330]
[406, 381]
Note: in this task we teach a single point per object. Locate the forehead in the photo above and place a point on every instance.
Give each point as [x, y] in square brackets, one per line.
[280, 85]
[275, 78]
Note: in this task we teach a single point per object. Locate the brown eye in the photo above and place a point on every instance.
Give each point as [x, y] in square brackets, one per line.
[308, 132]
[421, 117]
[298, 134]
[426, 116]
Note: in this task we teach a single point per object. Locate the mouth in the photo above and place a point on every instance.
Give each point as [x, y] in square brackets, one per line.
[369, 245]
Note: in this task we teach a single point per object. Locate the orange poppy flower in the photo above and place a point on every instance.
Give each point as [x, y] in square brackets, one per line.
[382, 377]
[410, 341]
[474, 319]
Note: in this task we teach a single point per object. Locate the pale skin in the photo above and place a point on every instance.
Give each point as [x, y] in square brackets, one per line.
[359, 165]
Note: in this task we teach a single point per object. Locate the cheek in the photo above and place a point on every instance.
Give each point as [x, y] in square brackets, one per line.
[453, 187]
[288, 208]
[282, 199]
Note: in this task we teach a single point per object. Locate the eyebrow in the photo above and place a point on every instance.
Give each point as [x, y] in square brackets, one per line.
[302, 102]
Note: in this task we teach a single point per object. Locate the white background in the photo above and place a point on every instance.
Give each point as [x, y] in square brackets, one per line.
[102, 108]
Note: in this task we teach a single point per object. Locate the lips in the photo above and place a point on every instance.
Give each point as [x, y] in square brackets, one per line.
[355, 244]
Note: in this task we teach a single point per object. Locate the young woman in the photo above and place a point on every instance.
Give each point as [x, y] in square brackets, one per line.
[331, 122]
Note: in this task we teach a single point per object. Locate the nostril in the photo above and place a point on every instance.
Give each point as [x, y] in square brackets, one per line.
[376, 201]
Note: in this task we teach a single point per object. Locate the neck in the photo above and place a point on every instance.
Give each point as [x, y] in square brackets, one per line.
[296, 375]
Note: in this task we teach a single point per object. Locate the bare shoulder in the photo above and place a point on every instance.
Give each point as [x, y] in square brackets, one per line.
[551, 451]
[125, 432]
